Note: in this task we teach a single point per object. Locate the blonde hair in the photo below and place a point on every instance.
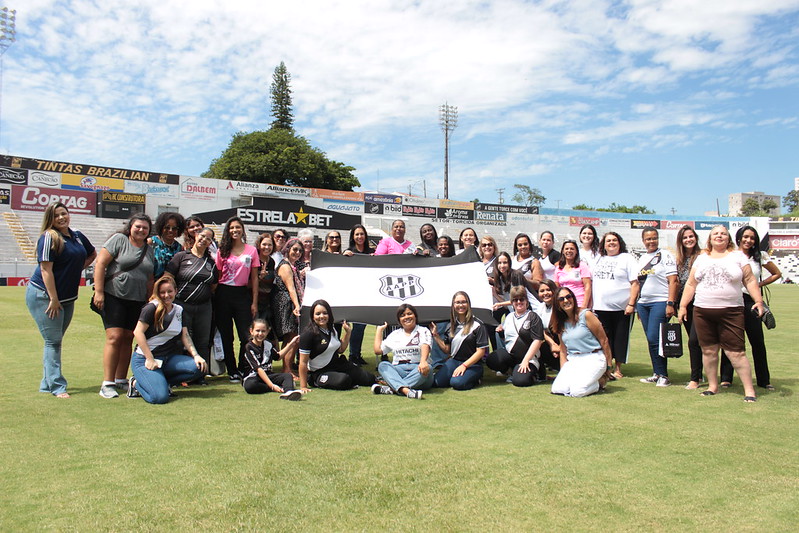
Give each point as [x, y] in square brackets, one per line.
[709, 245]
[160, 309]
[56, 237]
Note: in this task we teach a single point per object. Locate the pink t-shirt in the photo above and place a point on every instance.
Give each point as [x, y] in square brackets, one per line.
[389, 246]
[234, 270]
[573, 279]
[719, 281]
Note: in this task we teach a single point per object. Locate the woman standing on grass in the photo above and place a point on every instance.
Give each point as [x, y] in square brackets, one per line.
[168, 227]
[322, 362]
[584, 350]
[687, 251]
[409, 373]
[465, 341]
[123, 278]
[159, 361]
[748, 242]
[287, 297]
[523, 334]
[573, 273]
[547, 293]
[196, 277]
[657, 283]
[359, 244]
[716, 280]
[615, 291]
[236, 298]
[62, 254]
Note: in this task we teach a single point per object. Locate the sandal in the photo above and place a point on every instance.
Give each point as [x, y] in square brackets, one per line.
[707, 393]
[62, 395]
[726, 384]
[692, 385]
[770, 387]
[750, 399]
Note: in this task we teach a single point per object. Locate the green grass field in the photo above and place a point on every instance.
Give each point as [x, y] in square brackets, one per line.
[635, 458]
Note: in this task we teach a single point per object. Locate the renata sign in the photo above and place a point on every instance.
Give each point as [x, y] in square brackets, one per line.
[28, 198]
[783, 242]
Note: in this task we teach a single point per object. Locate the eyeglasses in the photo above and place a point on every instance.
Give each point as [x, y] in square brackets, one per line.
[565, 298]
[486, 245]
[170, 228]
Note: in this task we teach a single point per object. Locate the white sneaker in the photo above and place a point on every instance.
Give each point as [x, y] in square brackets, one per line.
[414, 394]
[651, 379]
[291, 395]
[663, 381]
[381, 389]
[109, 391]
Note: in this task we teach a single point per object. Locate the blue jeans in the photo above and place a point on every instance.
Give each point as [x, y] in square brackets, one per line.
[405, 375]
[52, 330]
[468, 380]
[356, 339]
[652, 315]
[153, 385]
[437, 355]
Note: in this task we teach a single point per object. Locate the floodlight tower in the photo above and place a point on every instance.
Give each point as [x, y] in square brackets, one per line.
[448, 117]
[8, 36]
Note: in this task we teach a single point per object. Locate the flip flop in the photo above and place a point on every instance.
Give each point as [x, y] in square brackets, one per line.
[770, 387]
[62, 395]
[707, 393]
[750, 399]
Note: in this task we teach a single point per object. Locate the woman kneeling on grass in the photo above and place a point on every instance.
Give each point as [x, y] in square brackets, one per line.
[257, 364]
[523, 333]
[321, 359]
[158, 361]
[584, 349]
[465, 341]
[409, 373]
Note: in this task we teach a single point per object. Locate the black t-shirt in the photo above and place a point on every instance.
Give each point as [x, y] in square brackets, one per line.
[165, 341]
[320, 347]
[256, 357]
[194, 276]
[463, 347]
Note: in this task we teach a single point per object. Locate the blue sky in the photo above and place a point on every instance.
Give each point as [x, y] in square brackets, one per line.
[665, 103]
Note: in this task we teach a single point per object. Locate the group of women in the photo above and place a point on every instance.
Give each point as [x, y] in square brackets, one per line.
[569, 311]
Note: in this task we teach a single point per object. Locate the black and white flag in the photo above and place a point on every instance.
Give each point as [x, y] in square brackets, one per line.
[369, 289]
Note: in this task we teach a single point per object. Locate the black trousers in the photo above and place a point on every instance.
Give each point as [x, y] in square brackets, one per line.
[255, 385]
[617, 327]
[340, 374]
[754, 332]
[232, 305]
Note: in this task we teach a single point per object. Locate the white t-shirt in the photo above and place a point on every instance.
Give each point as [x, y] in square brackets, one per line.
[525, 266]
[719, 280]
[544, 312]
[757, 268]
[407, 348]
[548, 267]
[612, 277]
[656, 286]
[590, 257]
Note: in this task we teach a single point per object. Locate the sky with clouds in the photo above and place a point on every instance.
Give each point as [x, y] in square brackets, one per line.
[672, 104]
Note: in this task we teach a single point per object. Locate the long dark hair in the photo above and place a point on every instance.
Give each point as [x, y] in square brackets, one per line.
[502, 283]
[682, 251]
[435, 236]
[312, 326]
[516, 240]
[460, 237]
[739, 235]
[559, 317]
[595, 242]
[562, 262]
[188, 240]
[226, 243]
[366, 248]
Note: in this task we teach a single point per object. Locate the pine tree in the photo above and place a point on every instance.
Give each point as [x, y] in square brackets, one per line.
[280, 93]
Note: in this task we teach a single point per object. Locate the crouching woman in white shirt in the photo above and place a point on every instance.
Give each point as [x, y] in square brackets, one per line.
[409, 373]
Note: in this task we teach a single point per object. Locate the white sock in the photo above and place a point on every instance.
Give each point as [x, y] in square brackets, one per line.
[111, 383]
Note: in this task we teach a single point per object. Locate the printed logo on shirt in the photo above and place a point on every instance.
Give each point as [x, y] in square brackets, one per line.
[401, 287]
[414, 340]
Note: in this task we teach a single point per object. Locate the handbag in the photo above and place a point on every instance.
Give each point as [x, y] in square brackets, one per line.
[670, 342]
[117, 273]
[767, 317]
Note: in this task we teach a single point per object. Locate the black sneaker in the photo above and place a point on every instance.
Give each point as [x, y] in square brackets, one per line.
[133, 392]
[234, 378]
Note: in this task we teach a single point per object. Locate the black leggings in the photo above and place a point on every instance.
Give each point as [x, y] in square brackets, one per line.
[255, 384]
[232, 304]
[340, 374]
[502, 360]
[754, 332]
[617, 327]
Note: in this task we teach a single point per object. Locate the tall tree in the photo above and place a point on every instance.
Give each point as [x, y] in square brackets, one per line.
[528, 196]
[280, 92]
[791, 201]
[280, 157]
[751, 208]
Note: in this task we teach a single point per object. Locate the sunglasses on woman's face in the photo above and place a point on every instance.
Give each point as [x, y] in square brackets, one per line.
[523, 300]
[565, 298]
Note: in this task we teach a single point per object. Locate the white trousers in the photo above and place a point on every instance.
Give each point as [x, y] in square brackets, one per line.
[580, 375]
